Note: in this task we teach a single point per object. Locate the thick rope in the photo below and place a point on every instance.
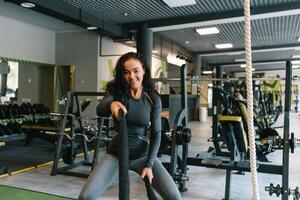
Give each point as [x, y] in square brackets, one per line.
[124, 187]
[247, 33]
[150, 190]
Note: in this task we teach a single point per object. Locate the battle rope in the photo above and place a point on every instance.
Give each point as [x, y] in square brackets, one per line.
[247, 33]
[150, 191]
[124, 187]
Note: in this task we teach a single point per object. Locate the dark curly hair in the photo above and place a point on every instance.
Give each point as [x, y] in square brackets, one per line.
[119, 86]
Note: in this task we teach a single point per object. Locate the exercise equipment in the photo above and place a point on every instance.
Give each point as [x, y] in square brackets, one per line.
[228, 107]
[296, 101]
[124, 188]
[180, 135]
[286, 143]
[124, 181]
[150, 191]
[234, 137]
[277, 190]
[77, 137]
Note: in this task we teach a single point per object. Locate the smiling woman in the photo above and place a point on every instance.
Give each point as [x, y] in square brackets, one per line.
[134, 73]
[132, 91]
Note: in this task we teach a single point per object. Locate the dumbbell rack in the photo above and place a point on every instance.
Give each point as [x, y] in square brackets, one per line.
[14, 136]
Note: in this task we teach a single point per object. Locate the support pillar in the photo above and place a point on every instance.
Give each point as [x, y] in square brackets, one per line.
[145, 42]
[198, 64]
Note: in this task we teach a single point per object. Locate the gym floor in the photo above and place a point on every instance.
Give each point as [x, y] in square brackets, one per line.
[203, 184]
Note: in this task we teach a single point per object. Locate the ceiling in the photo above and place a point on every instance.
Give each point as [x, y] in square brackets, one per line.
[275, 25]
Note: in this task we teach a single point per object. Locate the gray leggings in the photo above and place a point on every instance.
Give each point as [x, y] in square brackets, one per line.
[107, 171]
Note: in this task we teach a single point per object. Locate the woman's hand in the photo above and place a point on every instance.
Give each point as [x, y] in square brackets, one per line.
[115, 106]
[147, 172]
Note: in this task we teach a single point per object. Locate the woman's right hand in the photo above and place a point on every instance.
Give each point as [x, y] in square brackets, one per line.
[115, 106]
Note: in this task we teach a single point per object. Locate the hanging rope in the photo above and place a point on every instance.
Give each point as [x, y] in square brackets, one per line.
[247, 33]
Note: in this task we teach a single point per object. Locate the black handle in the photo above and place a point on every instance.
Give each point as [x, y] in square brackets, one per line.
[150, 190]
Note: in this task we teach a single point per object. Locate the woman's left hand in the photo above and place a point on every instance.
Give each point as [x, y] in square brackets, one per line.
[147, 172]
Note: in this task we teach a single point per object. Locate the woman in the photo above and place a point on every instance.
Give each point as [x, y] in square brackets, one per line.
[132, 91]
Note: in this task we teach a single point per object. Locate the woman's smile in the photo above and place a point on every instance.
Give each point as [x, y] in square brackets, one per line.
[134, 73]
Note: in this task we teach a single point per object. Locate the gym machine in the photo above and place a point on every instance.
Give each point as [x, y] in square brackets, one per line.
[72, 135]
[287, 143]
[179, 136]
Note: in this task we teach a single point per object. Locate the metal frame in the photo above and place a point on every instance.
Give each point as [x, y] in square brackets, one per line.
[286, 132]
[282, 170]
[73, 102]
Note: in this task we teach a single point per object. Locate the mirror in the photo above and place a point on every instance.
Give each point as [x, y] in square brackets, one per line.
[32, 82]
[9, 80]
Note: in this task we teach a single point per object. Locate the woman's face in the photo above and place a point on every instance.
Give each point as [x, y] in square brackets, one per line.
[134, 73]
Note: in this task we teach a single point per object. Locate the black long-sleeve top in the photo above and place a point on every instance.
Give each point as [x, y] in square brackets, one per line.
[139, 113]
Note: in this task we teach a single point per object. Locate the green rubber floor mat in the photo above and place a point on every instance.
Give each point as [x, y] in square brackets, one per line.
[9, 193]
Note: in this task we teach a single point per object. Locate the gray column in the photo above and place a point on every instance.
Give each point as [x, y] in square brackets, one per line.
[145, 42]
[198, 64]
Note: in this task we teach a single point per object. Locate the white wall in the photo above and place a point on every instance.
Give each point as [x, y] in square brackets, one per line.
[25, 41]
[110, 52]
[82, 50]
[109, 47]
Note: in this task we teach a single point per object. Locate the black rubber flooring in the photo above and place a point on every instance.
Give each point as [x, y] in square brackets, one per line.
[16, 155]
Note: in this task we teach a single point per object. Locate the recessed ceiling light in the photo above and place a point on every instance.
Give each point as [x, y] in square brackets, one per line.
[27, 5]
[187, 42]
[125, 14]
[223, 46]
[91, 28]
[295, 62]
[177, 3]
[295, 66]
[207, 31]
[155, 51]
[207, 72]
[239, 60]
